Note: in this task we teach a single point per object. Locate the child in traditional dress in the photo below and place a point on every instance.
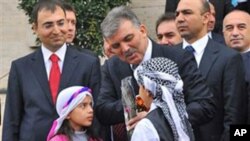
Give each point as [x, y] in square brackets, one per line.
[161, 92]
[74, 106]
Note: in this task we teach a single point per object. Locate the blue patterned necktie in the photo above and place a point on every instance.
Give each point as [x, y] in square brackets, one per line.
[190, 49]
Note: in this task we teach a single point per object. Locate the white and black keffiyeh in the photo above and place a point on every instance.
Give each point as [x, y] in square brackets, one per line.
[160, 76]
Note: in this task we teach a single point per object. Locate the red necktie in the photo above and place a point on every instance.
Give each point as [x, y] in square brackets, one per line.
[54, 77]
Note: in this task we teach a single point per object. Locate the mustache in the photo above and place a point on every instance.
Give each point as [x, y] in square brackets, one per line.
[129, 52]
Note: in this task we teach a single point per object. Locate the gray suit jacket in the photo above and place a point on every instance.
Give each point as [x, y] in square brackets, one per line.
[29, 110]
[223, 70]
[200, 105]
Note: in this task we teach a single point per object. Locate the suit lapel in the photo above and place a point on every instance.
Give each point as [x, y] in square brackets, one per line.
[38, 68]
[70, 62]
[209, 56]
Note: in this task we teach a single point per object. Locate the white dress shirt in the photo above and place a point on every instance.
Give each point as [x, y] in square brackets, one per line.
[199, 47]
[145, 130]
[148, 53]
[47, 53]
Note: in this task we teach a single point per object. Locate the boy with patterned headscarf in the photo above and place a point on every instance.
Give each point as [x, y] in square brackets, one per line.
[161, 90]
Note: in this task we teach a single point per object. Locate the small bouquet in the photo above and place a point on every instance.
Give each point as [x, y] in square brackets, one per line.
[128, 101]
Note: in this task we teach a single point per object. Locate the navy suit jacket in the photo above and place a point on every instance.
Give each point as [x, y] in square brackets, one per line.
[29, 110]
[218, 38]
[200, 105]
[223, 70]
[246, 60]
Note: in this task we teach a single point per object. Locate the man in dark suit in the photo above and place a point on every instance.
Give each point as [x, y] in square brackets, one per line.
[236, 29]
[221, 6]
[221, 66]
[30, 109]
[128, 39]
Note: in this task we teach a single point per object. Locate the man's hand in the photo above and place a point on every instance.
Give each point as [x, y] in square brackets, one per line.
[132, 122]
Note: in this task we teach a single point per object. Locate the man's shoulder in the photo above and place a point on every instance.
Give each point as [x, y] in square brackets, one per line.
[172, 52]
[222, 48]
[84, 55]
[29, 56]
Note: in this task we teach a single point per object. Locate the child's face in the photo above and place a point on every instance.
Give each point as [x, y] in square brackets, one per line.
[82, 115]
[146, 96]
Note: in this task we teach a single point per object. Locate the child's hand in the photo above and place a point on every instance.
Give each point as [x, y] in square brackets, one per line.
[132, 122]
[140, 104]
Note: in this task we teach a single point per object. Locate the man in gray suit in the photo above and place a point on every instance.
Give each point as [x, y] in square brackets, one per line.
[221, 66]
[129, 41]
[30, 110]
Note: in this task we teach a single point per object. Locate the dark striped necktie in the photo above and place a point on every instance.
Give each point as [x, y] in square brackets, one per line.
[190, 49]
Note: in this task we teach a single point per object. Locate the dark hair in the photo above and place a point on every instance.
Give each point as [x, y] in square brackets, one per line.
[66, 130]
[45, 4]
[68, 7]
[168, 16]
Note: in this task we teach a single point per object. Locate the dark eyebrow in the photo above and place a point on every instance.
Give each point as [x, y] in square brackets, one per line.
[47, 23]
[61, 20]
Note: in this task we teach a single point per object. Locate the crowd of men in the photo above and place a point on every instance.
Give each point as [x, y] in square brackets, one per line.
[211, 50]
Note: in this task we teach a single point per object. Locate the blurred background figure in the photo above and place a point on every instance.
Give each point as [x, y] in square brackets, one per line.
[166, 30]
[107, 50]
[71, 19]
[211, 24]
[242, 5]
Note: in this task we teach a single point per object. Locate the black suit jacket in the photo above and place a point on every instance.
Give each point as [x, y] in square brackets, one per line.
[246, 60]
[200, 105]
[223, 70]
[29, 110]
[218, 38]
[222, 7]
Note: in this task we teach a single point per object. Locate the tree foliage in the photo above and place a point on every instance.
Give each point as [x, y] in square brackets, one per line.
[90, 14]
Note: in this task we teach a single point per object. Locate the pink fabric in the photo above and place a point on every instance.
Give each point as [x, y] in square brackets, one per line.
[52, 130]
[59, 138]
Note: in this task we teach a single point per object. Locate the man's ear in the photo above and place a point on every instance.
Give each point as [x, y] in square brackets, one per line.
[206, 17]
[143, 29]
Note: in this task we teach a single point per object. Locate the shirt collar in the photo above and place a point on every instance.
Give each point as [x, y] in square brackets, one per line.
[60, 52]
[246, 50]
[199, 45]
[148, 52]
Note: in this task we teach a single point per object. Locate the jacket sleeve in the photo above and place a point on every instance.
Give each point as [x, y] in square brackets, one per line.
[235, 96]
[109, 107]
[200, 103]
[13, 108]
